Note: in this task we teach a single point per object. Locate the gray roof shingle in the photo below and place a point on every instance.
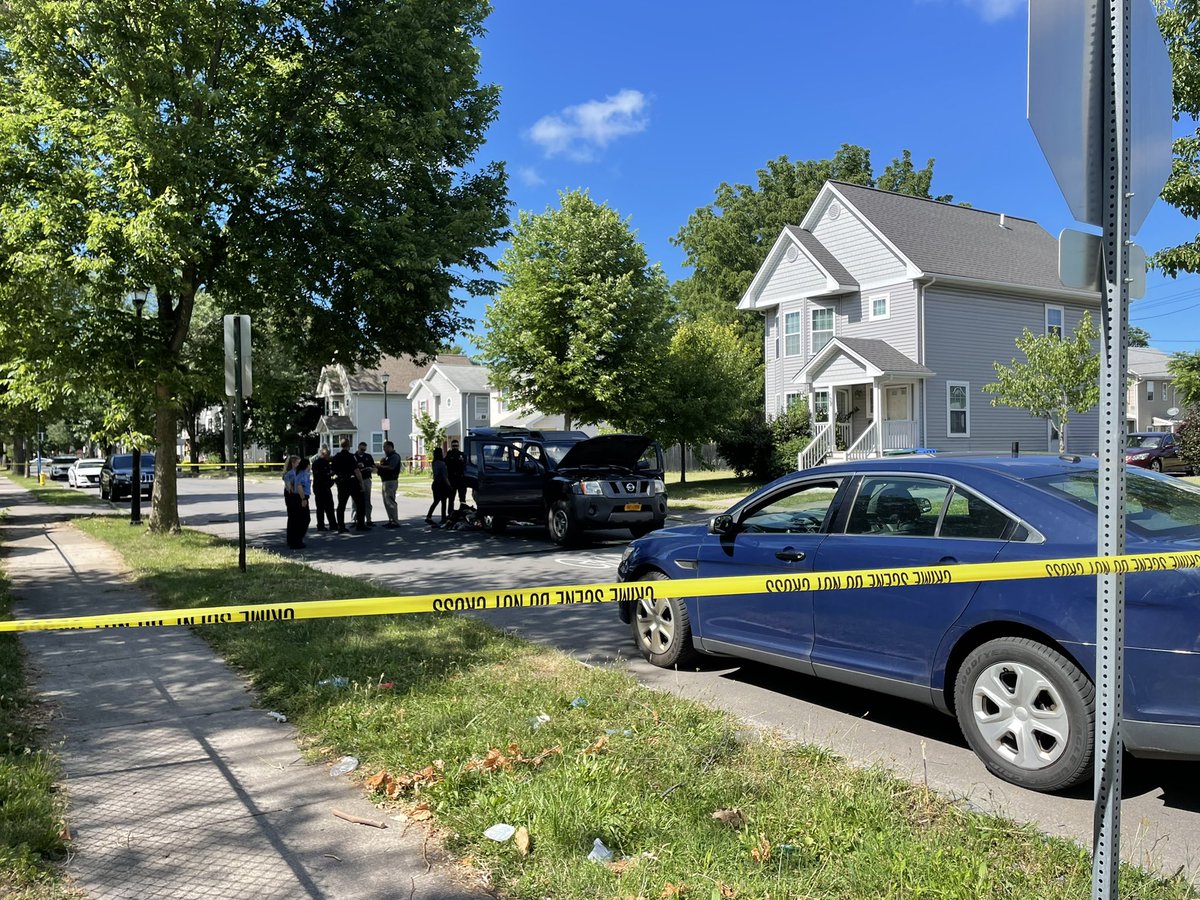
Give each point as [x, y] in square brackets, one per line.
[469, 379]
[821, 254]
[402, 372]
[884, 356]
[1146, 362]
[943, 239]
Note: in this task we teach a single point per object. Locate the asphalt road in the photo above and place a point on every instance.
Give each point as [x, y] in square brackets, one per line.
[1161, 810]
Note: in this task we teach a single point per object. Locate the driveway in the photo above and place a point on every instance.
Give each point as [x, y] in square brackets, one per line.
[1161, 812]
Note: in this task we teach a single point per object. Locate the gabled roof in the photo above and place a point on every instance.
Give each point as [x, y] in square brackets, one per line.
[877, 357]
[837, 279]
[1148, 363]
[402, 372]
[468, 379]
[333, 424]
[958, 241]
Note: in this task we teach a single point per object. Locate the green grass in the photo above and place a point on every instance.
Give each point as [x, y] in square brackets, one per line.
[31, 811]
[56, 493]
[816, 826]
[719, 490]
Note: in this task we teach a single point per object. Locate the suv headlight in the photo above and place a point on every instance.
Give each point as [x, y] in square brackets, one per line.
[657, 486]
[592, 488]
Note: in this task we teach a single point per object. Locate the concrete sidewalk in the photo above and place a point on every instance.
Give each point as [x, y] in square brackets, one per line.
[178, 786]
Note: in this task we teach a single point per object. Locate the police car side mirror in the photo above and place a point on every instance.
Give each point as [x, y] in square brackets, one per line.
[722, 524]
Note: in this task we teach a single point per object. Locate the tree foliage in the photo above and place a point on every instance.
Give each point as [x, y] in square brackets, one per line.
[725, 242]
[1188, 437]
[303, 161]
[1180, 26]
[1137, 337]
[1184, 367]
[431, 431]
[579, 326]
[1059, 377]
[709, 374]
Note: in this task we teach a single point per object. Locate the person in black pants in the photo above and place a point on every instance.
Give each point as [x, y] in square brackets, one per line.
[366, 467]
[456, 467]
[322, 479]
[298, 519]
[349, 485]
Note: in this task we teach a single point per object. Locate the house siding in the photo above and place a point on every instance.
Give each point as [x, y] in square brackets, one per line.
[992, 322]
[790, 280]
[841, 369]
[864, 255]
[900, 327]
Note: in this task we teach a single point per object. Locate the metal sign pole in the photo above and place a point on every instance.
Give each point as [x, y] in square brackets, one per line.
[238, 441]
[1110, 537]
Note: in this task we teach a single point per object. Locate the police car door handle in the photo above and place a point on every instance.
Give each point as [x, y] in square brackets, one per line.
[790, 555]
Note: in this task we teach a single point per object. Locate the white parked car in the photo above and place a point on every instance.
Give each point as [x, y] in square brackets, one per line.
[85, 473]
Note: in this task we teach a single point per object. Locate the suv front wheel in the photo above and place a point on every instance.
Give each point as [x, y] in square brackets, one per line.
[564, 530]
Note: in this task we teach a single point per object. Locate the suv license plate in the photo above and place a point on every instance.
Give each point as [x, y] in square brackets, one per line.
[633, 507]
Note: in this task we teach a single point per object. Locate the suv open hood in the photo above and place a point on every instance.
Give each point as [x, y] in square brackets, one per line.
[607, 450]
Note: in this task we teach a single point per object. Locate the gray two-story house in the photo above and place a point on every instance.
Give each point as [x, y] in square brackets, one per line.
[886, 312]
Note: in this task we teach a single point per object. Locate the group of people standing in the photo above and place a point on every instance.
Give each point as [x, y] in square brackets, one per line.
[449, 479]
[351, 474]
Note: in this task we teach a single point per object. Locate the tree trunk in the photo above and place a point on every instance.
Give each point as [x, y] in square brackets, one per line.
[683, 463]
[164, 507]
[567, 421]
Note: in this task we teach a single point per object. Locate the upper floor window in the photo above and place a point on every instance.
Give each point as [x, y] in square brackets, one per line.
[958, 409]
[481, 407]
[1149, 391]
[822, 328]
[791, 334]
[423, 406]
[880, 307]
[1055, 320]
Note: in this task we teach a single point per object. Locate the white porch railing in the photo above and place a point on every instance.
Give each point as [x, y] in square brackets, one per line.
[818, 448]
[864, 447]
[845, 432]
[899, 434]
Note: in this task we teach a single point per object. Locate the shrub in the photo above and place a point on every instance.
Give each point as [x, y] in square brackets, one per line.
[1188, 438]
[746, 445]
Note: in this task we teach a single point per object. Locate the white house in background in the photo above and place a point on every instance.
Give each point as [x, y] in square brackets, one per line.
[885, 313]
[1151, 396]
[458, 395]
[355, 400]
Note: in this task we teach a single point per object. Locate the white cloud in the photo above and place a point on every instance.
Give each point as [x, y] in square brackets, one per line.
[579, 131]
[995, 10]
[529, 176]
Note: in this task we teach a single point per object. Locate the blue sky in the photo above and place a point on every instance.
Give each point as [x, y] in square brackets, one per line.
[650, 105]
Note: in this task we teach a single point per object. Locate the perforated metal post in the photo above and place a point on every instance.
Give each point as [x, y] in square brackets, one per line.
[1110, 537]
[238, 400]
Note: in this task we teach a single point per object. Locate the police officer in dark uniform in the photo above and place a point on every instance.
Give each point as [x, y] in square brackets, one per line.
[456, 468]
[349, 486]
[322, 477]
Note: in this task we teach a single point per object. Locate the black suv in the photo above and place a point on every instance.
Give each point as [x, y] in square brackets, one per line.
[566, 479]
[117, 474]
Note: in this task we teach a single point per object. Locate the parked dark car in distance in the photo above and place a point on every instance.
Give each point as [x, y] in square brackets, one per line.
[1014, 661]
[117, 474]
[566, 479]
[1157, 450]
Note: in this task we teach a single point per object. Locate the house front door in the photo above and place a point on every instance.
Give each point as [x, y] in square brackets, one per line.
[896, 405]
[899, 429]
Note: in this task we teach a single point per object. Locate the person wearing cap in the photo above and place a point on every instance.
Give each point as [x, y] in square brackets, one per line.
[456, 467]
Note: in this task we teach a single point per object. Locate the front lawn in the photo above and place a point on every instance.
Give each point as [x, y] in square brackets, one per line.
[466, 726]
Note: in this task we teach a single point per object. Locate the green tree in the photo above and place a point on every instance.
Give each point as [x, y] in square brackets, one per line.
[1137, 337]
[303, 161]
[579, 325]
[1184, 367]
[725, 242]
[1180, 26]
[709, 374]
[431, 431]
[1059, 377]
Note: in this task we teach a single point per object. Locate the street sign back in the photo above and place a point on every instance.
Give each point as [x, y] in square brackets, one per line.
[230, 369]
[1067, 46]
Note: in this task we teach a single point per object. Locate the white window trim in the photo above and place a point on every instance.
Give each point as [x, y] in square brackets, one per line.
[1062, 316]
[887, 307]
[787, 400]
[481, 402]
[953, 384]
[828, 405]
[812, 331]
[1149, 391]
[799, 332]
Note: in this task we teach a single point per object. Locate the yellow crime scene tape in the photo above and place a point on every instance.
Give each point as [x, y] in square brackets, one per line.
[610, 592]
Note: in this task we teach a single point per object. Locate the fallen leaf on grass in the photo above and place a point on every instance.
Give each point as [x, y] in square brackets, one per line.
[495, 759]
[734, 818]
[597, 746]
[670, 889]
[521, 840]
[381, 781]
[618, 866]
[762, 852]
[421, 813]
[727, 892]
